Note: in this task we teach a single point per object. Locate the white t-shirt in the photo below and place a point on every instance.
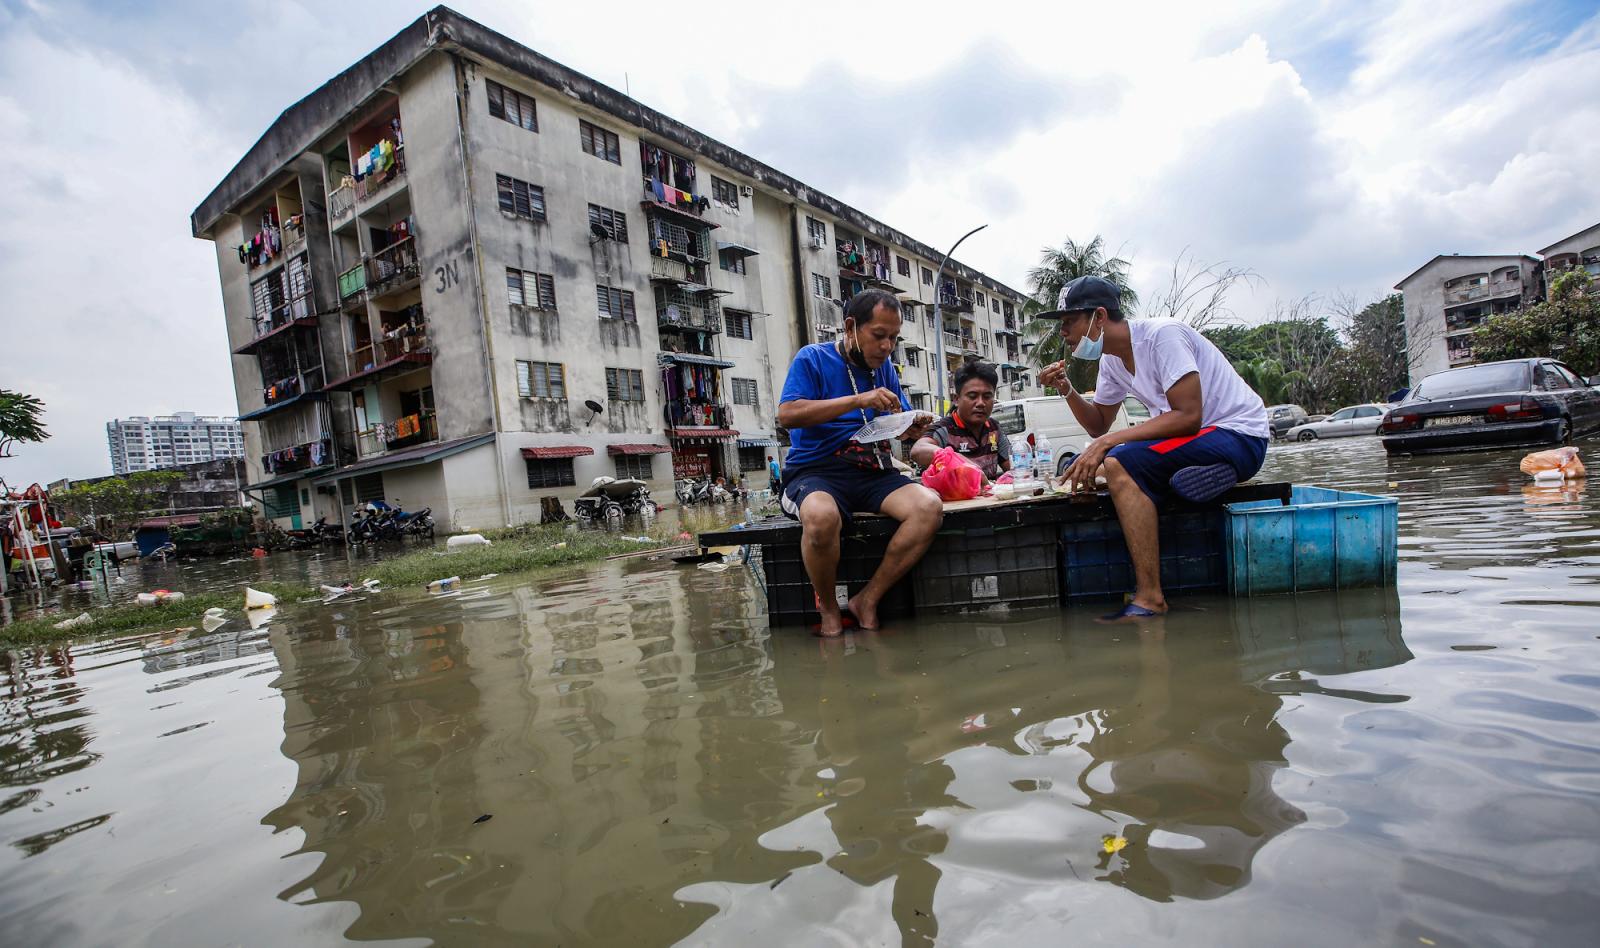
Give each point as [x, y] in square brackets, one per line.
[1164, 351]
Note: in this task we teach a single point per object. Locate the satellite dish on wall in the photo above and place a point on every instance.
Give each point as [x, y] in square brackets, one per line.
[595, 408]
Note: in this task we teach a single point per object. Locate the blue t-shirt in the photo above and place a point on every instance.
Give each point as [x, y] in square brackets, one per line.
[818, 374]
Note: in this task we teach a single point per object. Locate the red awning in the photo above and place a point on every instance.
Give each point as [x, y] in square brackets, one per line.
[702, 433]
[558, 451]
[616, 449]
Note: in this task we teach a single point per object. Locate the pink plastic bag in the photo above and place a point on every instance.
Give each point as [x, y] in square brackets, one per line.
[952, 476]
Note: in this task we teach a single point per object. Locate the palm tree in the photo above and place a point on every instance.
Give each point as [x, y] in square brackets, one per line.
[1057, 267]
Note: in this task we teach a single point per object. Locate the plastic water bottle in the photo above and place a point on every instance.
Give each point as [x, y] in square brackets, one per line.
[1021, 460]
[1043, 459]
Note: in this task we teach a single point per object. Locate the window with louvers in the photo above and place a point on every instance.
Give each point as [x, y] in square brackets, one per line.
[615, 303]
[541, 380]
[512, 106]
[738, 324]
[520, 197]
[613, 223]
[525, 288]
[625, 385]
[599, 143]
[744, 392]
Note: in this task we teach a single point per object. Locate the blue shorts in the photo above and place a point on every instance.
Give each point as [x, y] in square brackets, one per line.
[1151, 464]
[853, 489]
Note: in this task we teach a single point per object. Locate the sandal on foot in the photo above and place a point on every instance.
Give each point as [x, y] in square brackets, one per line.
[1205, 482]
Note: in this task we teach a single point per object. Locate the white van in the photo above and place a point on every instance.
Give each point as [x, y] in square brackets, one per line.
[1051, 416]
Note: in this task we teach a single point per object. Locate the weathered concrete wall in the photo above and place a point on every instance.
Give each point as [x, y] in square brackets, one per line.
[473, 491]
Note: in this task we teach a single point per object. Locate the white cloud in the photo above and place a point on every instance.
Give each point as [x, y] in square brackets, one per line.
[1328, 145]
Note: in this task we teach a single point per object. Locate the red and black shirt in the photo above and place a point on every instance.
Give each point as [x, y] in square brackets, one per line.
[985, 447]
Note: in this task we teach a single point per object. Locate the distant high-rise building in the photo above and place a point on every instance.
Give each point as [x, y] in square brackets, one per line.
[140, 443]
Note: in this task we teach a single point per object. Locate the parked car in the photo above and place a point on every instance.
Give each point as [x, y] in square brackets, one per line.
[1051, 415]
[1284, 417]
[1351, 420]
[1493, 405]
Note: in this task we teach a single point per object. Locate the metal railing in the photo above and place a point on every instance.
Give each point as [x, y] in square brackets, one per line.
[386, 350]
[374, 184]
[403, 432]
[678, 239]
[699, 415]
[353, 281]
[342, 202]
[297, 457]
[292, 386]
[393, 265]
[677, 308]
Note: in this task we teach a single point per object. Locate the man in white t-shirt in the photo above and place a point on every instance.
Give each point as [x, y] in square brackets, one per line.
[1207, 429]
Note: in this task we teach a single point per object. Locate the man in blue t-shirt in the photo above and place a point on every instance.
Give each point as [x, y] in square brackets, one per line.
[832, 390]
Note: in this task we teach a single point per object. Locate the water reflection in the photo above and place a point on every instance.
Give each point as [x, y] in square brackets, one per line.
[626, 755]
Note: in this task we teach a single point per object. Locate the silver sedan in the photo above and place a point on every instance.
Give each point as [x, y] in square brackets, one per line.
[1352, 420]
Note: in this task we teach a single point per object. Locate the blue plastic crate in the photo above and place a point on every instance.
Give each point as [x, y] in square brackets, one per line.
[969, 569]
[1095, 564]
[1323, 539]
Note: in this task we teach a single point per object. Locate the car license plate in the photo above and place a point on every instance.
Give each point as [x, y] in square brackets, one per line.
[1450, 421]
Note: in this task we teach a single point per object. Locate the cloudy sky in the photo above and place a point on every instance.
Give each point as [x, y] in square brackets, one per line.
[1331, 147]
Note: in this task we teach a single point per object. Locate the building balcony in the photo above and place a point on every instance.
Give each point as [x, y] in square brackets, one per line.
[402, 353]
[342, 203]
[677, 308]
[955, 303]
[393, 269]
[291, 387]
[299, 457]
[677, 203]
[353, 282]
[405, 432]
[710, 415]
[279, 320]
[1482, 291]
[388, 169]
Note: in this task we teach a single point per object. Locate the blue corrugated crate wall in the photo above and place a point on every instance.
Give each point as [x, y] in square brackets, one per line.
[1095, 564]
[1323, 539]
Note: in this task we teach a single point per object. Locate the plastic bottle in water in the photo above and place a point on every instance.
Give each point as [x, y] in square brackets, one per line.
[1043, 459]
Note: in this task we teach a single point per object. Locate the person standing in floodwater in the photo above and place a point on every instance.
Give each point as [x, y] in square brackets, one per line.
[1207, 429]
[832, 390]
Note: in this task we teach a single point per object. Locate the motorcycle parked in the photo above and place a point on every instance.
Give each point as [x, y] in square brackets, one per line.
[609, 501]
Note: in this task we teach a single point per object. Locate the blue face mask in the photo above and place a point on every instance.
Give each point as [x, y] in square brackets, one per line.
[1089, 349]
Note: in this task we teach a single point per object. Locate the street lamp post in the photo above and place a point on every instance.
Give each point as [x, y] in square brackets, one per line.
[938, 321]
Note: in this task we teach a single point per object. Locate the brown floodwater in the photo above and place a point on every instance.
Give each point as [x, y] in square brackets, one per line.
[627, 754]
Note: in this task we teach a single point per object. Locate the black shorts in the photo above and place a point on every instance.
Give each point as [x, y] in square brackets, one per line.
[853, 489]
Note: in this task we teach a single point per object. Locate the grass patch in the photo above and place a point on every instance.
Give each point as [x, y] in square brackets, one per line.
[127, 617]
[511, 550]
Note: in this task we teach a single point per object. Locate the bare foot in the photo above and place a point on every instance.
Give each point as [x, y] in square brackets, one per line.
[832, 626]
[865, 610]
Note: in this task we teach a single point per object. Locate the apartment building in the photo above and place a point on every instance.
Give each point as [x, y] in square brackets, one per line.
[1579, 250]
[1449, 296]
[460, 275]
[142, 443]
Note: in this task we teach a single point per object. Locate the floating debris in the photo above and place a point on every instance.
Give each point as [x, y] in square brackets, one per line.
[81, 620]
[1113, 844]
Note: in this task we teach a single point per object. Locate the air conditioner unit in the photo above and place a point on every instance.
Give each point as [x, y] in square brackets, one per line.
[746, 190]
[817, 243]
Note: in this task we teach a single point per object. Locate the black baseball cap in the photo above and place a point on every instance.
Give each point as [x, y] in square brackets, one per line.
[1084, 294]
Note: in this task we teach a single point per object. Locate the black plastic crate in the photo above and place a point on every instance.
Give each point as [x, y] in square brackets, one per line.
[1095, 564]
[790, 598]
[980, 568]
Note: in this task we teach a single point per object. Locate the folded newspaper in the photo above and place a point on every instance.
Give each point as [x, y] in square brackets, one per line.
[884, 427]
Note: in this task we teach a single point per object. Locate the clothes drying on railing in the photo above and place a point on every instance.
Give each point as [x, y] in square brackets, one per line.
[375, 160]
[407, 426]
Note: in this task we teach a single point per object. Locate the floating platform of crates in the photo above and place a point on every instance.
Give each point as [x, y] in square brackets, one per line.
[1057, 550]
